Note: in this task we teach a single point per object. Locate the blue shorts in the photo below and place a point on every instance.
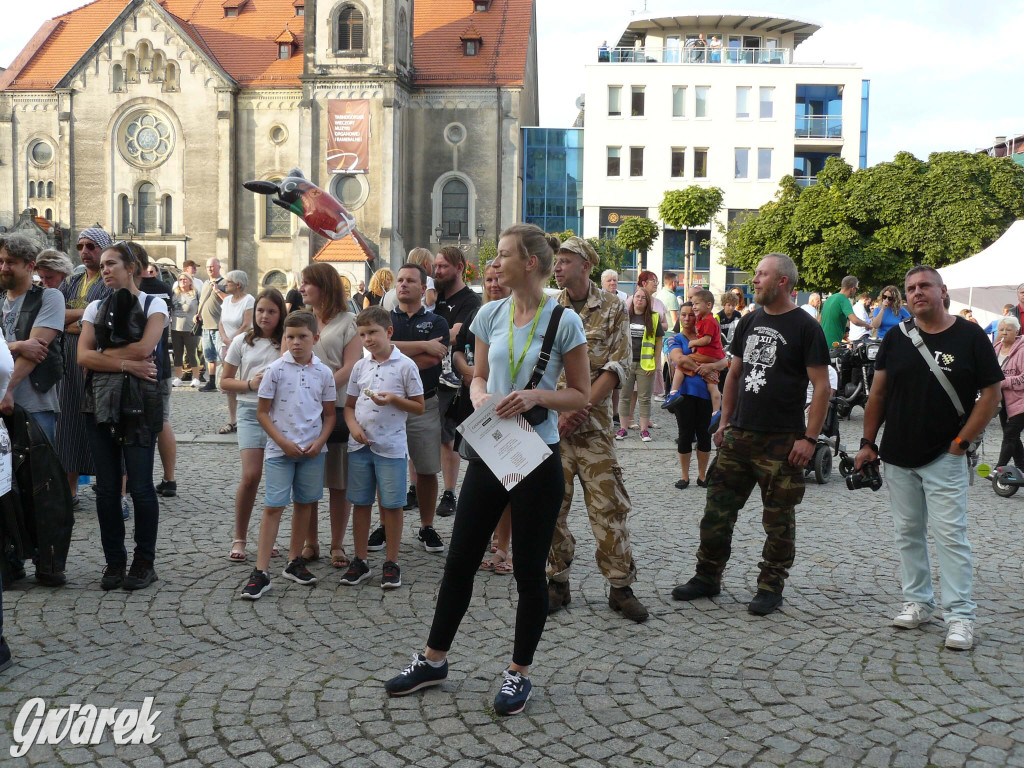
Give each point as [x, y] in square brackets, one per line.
[369, 473]
[250, 433]
[211, 345]
[302, 477]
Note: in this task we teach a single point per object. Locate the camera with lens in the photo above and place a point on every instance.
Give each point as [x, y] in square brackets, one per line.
[867, 477]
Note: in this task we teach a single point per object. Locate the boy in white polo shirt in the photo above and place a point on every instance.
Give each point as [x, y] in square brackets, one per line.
[382, 390]
[296, 410]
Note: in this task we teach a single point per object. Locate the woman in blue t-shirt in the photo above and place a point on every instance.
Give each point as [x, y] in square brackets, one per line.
[891, 310]
[509, 335]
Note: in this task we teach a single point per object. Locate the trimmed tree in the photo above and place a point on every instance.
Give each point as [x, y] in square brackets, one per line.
[690, 207]
[637, 233]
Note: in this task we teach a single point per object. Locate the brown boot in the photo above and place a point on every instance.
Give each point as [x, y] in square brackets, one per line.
[623, 600]
[558, 596]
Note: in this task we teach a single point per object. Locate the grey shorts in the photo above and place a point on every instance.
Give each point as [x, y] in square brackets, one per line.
[165, 396]
[444, 400]
[423, 433]
[336, 466]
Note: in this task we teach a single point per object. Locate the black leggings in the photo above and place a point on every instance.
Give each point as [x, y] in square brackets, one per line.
[693, 417]
[1011, 447]
[535, 503]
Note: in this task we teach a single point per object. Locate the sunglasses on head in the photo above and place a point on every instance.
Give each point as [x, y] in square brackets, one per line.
[87, 246]
[128, 248]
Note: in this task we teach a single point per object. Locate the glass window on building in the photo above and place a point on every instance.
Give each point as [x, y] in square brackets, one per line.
[637, 104]
[277, 221]
[678, 101]
[455, 208]
[678, 162]
[148, 207]
[764, 163]
[742, 162]
[767, 103]
[614, 100]
[807, 165]
[703, 96]
[674, 254]
[553, 179]
[614, 168]
[700, 163]
[819, 112]
[636, 161]
[742, 102]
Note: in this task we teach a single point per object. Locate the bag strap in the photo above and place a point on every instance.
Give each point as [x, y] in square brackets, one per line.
[545, 350]
[911, 332]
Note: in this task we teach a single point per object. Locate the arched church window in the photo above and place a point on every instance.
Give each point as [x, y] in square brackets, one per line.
[49, 214]
[118, 78]
[145, 57]
[171, 76]
[403, 37]
[158, 67]
[277, 221]
[124, 212]
[455, 208]
[31, 189]
[147, 207]
[168, 215]
[131, 68]
[350, 29]
[49, 189]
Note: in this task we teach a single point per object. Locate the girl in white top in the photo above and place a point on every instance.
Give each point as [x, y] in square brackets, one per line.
[248, 356]
[235, 317]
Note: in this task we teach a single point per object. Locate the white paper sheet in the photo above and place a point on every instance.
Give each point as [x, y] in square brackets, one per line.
[6, 461]
[510, 448]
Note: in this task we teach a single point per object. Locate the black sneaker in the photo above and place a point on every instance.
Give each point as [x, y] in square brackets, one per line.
[209, 386]
[140, 575]
[446, 506]
[167, 488]
[694, 589]
[410, 499]
[377, 539]
[296, 571]
[419, 674]
[515, 692]
[358, 571]
[431, 541]
[58, 579]
[259, 585]
[5, 655]
[392, 576]
[764, 602]
[113, 576]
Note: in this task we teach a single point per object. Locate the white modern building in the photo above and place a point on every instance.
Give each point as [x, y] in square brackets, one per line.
[718, 100]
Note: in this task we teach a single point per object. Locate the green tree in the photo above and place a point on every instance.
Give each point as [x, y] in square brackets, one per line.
[690, 207]
[877, 222]
[637, 233]
[487, 251]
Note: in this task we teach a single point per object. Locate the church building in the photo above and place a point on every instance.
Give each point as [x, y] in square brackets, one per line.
[146, 116]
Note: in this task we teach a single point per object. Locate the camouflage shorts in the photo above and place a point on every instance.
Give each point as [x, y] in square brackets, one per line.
[746, 459]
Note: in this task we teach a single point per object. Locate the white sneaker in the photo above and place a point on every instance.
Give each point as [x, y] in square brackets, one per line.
[196, 383]
[960, 635]
[176, 382]
[655, 426]
[912, 616]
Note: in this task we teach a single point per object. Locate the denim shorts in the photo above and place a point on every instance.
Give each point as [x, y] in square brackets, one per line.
[369, 473]
[211, 345]
[303, 478]
[250, 433]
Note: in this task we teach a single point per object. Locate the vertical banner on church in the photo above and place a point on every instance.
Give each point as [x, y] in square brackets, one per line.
[348, 135]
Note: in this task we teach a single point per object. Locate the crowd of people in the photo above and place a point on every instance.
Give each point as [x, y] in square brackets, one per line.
[362, 395]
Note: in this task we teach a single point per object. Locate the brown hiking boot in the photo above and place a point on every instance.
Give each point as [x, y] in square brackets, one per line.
[558, 596]
[623, 600]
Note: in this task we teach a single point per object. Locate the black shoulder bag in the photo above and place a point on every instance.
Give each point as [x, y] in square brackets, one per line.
[536, 415]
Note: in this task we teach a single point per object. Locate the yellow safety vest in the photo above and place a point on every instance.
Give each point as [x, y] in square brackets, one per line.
[647, 345]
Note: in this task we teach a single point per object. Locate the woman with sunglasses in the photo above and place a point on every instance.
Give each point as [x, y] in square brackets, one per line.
[124, 410]
[890, 312]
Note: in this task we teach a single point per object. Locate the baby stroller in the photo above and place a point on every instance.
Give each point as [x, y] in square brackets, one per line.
[820, 465]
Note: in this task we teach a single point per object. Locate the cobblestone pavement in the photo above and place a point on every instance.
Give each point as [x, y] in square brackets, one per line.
[296, 677]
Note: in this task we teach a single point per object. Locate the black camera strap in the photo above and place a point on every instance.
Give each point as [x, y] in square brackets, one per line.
[545, 350]
[912, 333]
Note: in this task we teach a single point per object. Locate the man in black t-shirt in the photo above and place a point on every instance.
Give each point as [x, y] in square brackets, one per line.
[456, 303]
[924, 447]
[762, 441]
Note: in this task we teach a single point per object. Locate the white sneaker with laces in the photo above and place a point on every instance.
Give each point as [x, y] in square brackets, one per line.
[176, 382]
[195, 383]
[960, 634]
[912, 616]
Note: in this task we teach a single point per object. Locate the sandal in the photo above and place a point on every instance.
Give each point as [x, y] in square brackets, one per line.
[275, 551]
[228, 429]
[237, 555]
[494, 546]
[504, 568]
[314, 548]
[499, 557]
[339, 559]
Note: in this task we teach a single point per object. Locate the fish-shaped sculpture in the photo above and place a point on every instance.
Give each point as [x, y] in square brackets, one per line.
[319, 209]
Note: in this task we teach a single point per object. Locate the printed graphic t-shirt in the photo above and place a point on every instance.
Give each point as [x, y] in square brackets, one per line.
[776, 351]
[920, 419]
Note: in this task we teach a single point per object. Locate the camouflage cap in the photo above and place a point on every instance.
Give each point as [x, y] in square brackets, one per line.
[580, 247]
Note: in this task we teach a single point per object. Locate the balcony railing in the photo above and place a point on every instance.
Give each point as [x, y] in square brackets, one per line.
[819, 127]
[806, 181]
[694, 55]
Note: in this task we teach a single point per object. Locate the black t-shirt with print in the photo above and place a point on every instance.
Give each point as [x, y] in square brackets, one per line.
[920, 419]
[459, 307]
[776, 351]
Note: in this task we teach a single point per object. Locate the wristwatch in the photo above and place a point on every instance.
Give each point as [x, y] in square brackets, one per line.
[963, 445]
[865, 443]
[810, 440]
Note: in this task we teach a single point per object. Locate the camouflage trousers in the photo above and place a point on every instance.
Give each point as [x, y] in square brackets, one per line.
[746, 459]
[591, 457]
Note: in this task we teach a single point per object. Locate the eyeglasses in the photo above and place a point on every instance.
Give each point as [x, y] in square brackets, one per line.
[888, 297]
[87, 246]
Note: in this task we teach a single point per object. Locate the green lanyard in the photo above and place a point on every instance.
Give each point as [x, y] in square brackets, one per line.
[514, 366]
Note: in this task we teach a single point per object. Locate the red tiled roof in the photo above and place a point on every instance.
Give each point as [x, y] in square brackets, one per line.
[286, 36]
[471, 33]
[346, 249]
[437, 49]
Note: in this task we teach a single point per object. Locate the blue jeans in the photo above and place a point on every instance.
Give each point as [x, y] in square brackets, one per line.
[138, 464]
[934, 494]
[47, 421]
[211, 345]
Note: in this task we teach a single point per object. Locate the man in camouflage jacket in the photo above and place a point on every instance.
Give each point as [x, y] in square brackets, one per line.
[586, 438]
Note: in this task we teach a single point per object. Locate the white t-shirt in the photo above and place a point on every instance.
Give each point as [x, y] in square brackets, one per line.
[298, 392]
[232, 313]
[250, 360]
[384, 425]
[810, 310]
[856, 332]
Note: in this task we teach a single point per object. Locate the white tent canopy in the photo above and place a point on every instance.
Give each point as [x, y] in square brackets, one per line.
[989, 280]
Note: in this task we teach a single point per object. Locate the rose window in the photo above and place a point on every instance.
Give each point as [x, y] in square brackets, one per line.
[147, 139]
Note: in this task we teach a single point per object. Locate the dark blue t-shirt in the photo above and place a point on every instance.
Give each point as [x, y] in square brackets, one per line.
[422, 326]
